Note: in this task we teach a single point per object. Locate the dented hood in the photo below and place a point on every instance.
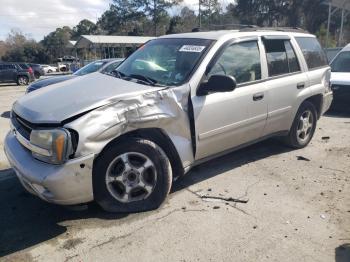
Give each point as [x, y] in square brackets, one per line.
[61, 101]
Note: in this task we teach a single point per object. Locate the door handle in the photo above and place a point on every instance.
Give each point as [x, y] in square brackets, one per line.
[258, 96]
[300, 85]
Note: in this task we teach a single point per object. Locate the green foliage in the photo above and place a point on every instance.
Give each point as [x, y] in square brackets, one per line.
[20, 48]
[85, 27]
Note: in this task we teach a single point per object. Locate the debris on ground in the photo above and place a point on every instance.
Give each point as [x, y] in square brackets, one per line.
[325, 138]
[323, 216]
[303, 158]
[227, 199]
[216, 207]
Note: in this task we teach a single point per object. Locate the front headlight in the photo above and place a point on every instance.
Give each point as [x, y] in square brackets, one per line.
[56, 145]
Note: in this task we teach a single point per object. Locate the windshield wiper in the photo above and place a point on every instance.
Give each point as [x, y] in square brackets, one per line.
[145, 79]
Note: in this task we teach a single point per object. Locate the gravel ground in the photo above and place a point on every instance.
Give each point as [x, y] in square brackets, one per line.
[298, 209]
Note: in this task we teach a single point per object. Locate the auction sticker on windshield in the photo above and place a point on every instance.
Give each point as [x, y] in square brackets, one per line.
[192, 48]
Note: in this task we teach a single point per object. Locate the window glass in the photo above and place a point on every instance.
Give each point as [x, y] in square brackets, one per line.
[111, 67]
[341, 63]
[276, 57]
[313, 53]
[292, 58]
[90, 68]
[165, 61]
[242, 61]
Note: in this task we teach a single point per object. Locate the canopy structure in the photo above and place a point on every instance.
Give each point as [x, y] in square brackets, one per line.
[88, 41]
[71, 44]
[334, 6]
[108, 46]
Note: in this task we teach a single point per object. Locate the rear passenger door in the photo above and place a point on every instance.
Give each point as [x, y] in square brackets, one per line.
[9, 72]
[286, 80]
[229, 119]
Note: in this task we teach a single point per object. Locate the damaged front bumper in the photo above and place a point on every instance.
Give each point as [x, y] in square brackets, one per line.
[67, 184]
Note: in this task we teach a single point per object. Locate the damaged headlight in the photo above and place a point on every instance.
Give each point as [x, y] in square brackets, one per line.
[53, 146]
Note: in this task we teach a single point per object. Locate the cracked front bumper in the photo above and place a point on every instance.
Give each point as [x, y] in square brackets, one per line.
[67, 184]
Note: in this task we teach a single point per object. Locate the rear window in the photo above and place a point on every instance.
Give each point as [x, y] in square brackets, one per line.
[281, 57]
[341, 63]
[24, 66]
[314, 55]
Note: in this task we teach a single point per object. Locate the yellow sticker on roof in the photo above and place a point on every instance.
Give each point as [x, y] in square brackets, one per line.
[192, 48]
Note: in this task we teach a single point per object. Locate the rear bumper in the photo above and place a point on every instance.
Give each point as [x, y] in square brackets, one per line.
[66, 184]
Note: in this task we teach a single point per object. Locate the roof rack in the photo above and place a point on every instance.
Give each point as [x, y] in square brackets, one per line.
[279, 29]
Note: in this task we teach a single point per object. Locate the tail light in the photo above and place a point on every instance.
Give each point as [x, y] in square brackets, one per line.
[30, 70]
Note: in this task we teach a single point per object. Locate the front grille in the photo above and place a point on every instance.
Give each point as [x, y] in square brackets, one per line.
[22, 126]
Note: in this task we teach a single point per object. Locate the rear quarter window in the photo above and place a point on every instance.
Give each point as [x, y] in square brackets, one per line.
[314, 55]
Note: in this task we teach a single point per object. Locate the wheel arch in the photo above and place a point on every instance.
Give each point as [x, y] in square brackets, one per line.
[161, 138]
[317, 101]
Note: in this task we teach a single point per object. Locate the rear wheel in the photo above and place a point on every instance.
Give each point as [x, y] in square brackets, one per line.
[49, 71]
[37, 75]
[131, 176]
[22, 80]
[303, 127]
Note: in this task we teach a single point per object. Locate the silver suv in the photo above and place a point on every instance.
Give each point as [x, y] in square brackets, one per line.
[121, 139]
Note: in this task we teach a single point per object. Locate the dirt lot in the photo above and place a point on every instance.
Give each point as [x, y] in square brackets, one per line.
[298, 209]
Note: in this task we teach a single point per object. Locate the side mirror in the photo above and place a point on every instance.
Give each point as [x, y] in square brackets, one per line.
[217, 83]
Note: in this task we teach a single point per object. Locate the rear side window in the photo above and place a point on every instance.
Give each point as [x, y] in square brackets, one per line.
[314, 55]
[24, 66]
[281, 57]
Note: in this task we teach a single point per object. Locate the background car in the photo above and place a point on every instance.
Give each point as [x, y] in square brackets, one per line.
[49, 69]
[37, 69]
[104, 66]
[20, 73]
[340, 80]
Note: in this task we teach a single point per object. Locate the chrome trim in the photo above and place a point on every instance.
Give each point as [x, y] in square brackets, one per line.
[35, 149]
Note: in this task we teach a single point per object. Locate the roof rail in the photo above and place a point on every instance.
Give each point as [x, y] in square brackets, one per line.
[280, 29]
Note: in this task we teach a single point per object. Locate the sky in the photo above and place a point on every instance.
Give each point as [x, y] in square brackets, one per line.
[37, 18]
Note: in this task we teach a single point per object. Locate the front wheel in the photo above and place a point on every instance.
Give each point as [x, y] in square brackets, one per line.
[304, 126]
[22, 80]
[131, 176]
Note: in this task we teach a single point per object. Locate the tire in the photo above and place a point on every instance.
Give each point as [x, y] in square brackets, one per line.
[22, 80]
[112, 177]
[37, 75]
[304, 126]
[49, 71]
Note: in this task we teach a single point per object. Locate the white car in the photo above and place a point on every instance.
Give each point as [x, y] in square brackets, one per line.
[49, 69]
[340, 79]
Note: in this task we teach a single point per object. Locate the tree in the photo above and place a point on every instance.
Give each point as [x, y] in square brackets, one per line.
[156, 10]
[18, 47]
[85, 27]
[56, 42]
[184, 22]
[122, 17]
[210, 11]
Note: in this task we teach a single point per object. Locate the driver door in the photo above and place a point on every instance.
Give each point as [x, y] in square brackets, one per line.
[227, 120]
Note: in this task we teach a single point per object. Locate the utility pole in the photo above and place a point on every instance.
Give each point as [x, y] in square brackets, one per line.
[199, 14]
[155, 17]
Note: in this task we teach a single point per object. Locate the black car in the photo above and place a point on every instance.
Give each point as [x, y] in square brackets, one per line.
[38, 70]
[12, 72]
[104, 66]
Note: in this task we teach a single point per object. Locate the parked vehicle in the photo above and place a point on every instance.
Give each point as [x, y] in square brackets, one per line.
[38, 70]
[104, 65]
[20, 73]
[49, 69]
[340, 80]
[122, 138]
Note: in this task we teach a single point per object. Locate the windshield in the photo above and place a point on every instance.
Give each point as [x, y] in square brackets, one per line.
[164, 61]
[90, 68]
[341, 63]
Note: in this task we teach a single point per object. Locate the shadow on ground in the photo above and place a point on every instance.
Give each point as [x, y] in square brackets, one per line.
[343, 113]
[26, 220]
[342, 253]
[6, 114]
